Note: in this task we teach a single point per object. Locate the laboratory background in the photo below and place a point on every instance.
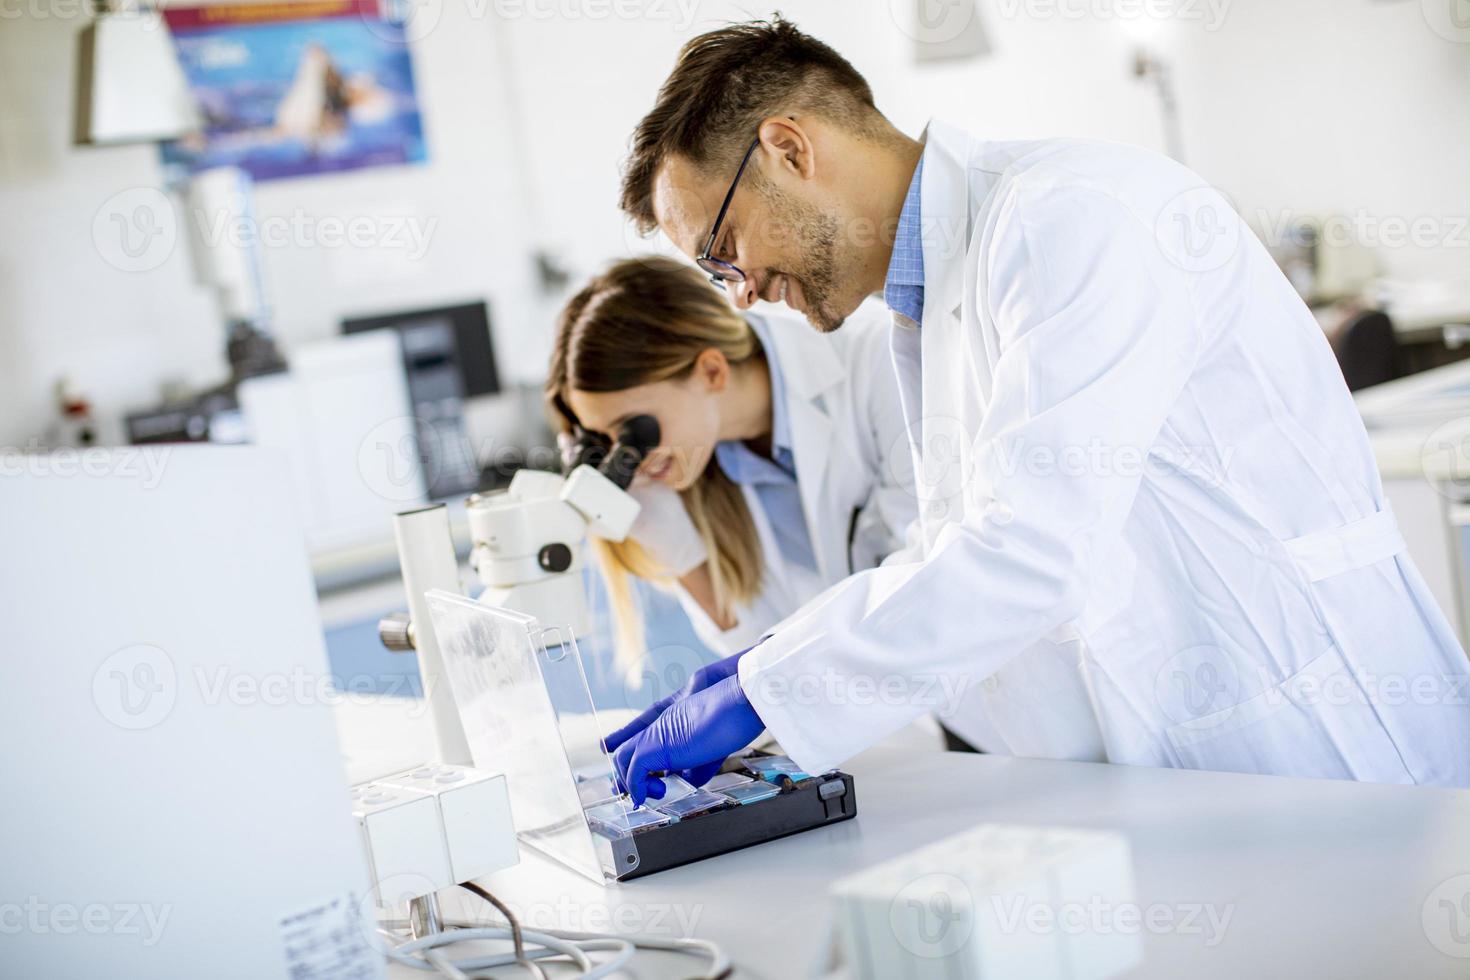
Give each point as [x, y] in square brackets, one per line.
[279, 288]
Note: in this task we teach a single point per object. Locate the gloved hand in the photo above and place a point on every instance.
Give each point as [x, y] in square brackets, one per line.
[704, 677]
[693, 737]
[664, 529]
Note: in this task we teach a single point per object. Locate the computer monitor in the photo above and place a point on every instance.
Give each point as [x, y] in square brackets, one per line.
[474, 352]
[175, 793]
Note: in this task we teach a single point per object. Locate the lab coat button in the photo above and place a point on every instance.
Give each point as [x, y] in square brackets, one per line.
[938, 509]
[992, 683]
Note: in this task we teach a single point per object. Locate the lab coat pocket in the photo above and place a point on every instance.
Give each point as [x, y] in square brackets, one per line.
[1316, 723]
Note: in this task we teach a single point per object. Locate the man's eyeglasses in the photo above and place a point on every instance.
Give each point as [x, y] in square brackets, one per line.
[720, 271]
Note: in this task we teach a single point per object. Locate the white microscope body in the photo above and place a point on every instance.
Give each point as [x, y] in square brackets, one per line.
[529, 541]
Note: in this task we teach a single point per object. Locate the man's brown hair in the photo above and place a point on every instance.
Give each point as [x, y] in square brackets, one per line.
[724, 83]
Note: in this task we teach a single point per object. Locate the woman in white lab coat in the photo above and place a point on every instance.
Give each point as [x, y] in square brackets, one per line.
[782, 467]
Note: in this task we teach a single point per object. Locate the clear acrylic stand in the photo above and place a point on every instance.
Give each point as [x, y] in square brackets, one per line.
[527, 712]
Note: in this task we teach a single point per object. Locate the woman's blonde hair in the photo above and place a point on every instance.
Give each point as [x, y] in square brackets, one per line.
[642, 321]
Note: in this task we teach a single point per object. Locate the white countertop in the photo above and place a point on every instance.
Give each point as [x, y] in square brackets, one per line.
[1257, 876]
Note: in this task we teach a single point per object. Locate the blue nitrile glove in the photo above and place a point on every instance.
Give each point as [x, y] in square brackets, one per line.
[703, 677]
[693, 737]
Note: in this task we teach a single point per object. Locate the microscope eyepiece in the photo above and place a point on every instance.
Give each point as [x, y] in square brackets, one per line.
[587, 449]
[635, 439]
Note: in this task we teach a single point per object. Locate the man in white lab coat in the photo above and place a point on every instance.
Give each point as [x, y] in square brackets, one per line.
[1151, 529]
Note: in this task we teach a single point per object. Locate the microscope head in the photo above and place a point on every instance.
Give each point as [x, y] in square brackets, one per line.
[534, 530]
[599, 492]
[617, 459]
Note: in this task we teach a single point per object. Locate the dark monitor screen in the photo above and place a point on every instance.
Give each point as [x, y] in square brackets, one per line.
[471, 323]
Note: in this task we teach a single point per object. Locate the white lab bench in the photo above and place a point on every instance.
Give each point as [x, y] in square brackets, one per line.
[1318, 878]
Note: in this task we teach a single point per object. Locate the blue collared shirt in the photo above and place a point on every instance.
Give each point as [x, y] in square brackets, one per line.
[903, 289]
[774, 479]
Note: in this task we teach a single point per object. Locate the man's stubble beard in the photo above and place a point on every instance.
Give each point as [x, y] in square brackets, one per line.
[816, 234]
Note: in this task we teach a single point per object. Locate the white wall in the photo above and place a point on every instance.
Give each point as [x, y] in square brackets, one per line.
[1045, 78]
[1291, 106]
[65, 309]
[1337, 107]
[1309, 105]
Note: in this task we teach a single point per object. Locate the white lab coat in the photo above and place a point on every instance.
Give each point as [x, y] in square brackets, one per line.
[1151, 529]
[853, 468]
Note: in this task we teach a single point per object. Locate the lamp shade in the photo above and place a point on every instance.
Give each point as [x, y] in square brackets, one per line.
[130, 87]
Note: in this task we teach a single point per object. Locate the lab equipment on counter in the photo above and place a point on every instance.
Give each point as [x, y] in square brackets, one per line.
[433, 365]
[432, 827]
[427, 560]
[343, 417]
[74, 425]
[219, 204]
[750, 792]
[187, 416]
[773, 767]
[994, 903]
[435, 827]
[218, 212]
[179, 788]
[523, 699]
[528, 540]
[695, 804]
[471, 353]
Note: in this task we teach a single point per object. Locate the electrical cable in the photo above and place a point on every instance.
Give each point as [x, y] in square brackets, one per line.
[515, 927]
[485, 962]
[445, 966]
[426, 953]
[720, 966]
[405, 950]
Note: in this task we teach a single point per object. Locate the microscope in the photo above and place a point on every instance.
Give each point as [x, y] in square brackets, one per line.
[528, 541]
[527, 545]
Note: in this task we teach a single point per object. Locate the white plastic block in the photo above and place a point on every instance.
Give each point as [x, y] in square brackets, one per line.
[474, 812]
[404, 838]
[994, 902]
